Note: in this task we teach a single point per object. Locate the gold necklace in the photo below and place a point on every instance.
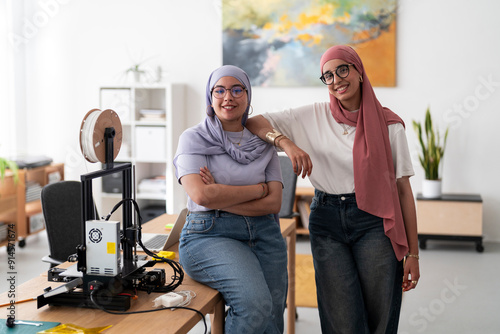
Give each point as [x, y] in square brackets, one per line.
[345, 128]
[239, 142]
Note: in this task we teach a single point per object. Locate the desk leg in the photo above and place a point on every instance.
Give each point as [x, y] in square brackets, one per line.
[218, 317]
[291, 283]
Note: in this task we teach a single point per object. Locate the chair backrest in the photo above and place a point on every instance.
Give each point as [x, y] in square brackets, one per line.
[61, 206]
[289, 183]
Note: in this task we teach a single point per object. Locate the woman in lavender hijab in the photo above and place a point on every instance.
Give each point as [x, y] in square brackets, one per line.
[231, 240]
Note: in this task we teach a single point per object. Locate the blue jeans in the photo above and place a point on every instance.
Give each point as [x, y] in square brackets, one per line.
[245, 259]
[358, 277]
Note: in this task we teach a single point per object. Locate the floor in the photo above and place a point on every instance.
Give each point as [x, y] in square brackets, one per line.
[457, 292]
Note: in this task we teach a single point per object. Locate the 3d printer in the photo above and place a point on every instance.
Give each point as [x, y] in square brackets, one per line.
[107, 261]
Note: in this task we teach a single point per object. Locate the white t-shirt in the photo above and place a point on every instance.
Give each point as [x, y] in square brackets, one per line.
[314, 130]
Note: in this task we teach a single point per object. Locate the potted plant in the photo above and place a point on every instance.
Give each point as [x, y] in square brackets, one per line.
[431, 155]
[4, 164]
[137, 72]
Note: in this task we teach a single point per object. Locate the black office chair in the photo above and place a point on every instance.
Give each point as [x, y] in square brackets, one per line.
[61, 207]
[289, 184]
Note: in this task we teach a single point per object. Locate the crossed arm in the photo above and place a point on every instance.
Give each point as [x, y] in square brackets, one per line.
[251, 200]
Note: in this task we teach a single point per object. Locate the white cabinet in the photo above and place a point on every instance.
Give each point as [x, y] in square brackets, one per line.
[152, 119]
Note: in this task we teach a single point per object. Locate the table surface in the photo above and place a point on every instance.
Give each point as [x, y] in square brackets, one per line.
[207, 300]
[453, 198]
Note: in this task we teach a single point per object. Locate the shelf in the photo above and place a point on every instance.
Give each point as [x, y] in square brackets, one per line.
[8, 215]
[147, 196]
[151, 196]
[111, 195]
[7, 206]
[33, 208]
[11, 207]
[151, 143]
[150, 161]
[151, 123]
[42, 175]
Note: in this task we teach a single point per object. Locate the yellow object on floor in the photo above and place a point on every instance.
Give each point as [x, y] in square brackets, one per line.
[305, 284]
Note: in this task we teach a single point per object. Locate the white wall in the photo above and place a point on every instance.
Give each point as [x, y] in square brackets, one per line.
[447, 58]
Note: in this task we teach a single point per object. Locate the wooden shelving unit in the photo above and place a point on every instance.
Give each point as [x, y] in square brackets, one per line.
[149, 144]
[13, 206]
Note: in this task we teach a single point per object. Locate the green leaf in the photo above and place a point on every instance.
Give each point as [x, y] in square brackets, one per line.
[432, 150]
[4, 164]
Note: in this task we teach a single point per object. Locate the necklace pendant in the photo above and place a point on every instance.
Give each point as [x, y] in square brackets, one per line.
[345, 132]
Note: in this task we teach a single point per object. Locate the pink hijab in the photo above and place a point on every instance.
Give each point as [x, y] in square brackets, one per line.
[374, 176]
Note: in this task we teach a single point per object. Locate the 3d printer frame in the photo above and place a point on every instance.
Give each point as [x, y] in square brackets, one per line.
[131, 266]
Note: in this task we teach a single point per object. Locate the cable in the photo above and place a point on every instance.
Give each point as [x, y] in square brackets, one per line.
[178, 275]
[188, 296]
[92, 299]
[19, 301]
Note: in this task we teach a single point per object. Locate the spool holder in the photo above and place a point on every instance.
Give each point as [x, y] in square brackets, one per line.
[109, 137]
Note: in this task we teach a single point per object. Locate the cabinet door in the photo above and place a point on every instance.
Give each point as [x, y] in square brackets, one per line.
[150, 143]
[449, 218]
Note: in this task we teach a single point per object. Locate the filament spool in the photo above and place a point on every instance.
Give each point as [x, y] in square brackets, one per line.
[92, 141]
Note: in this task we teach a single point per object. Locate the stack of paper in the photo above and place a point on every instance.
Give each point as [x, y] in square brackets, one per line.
[33, 191]
[152, 115]
[3, 231]
[156, 185]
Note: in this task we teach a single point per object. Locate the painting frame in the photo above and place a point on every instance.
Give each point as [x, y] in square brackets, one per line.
[279, 42]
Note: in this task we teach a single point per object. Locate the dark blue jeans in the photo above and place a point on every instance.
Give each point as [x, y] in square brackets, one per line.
[245, 259]
[358, 277]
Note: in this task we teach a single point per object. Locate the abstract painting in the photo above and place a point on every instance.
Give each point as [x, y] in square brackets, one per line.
[279, 42]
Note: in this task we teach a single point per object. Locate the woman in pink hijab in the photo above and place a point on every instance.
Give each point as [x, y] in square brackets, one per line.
[363, 222]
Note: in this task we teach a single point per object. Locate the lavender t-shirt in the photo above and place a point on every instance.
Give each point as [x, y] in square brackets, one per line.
[226, 170]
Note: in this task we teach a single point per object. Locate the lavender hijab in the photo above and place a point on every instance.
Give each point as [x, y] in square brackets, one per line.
[209, 138]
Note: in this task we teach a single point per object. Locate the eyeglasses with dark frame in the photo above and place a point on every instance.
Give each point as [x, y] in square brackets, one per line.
[342, 71]
[219, 92]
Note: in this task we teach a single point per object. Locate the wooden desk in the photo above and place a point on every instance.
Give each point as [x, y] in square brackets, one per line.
[207, 301]
[157, 225]
[288, 230]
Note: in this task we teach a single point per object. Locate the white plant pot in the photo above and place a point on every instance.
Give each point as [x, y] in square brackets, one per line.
[137, 76]
[431, 188]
